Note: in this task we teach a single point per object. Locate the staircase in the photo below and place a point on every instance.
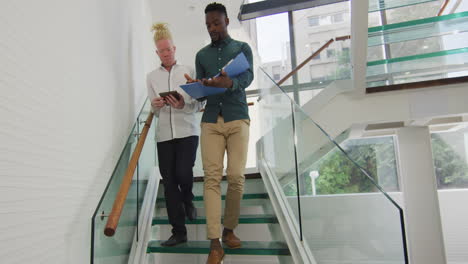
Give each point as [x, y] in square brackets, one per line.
[262, 241]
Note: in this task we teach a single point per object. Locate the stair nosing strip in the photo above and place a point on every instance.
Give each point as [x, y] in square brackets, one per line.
[248, 196]
[243, 219]
[254, 250]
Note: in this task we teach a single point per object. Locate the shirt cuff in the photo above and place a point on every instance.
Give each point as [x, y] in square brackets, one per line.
[235, 84]
[187, 109]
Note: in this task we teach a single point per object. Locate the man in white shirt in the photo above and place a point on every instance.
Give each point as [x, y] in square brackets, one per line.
[177, 134]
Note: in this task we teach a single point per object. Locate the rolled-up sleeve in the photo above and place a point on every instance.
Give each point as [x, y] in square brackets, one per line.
[243, 80]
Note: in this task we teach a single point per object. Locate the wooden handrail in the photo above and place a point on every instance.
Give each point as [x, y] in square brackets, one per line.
[305, 61]
[285, 78]
[315, 54]
[442, 8]
[119, 202]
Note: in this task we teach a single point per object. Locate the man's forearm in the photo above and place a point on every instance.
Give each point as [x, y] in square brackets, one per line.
[242, 81]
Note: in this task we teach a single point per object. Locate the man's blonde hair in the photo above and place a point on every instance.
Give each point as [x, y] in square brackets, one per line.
[161, 31]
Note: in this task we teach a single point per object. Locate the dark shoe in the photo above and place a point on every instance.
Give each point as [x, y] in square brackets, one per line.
[191, 212]
[216, 256]
[174, 240]
[231, 240]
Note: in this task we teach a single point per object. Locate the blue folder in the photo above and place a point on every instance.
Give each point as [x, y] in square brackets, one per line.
[236, 66]
[198, 90]
[233, 68]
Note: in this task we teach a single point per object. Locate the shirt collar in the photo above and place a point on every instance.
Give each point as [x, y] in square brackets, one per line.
[164, 68]
[223, 42]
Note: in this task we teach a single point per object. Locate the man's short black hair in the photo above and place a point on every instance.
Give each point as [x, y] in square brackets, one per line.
[216, 7]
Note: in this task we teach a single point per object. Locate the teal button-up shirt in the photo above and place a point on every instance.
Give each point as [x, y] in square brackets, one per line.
[209, 61]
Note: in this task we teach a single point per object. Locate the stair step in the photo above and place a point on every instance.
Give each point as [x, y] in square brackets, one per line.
[248, 176]
[223, 197]
[243, 219]
[203, 247]
[244, 203]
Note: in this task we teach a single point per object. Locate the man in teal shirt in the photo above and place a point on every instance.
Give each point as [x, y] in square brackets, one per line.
[225, 128]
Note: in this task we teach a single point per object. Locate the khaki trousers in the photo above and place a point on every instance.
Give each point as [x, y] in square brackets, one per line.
[216, 139]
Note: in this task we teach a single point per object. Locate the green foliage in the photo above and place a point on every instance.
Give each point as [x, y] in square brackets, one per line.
[339, 175]
[451, 170]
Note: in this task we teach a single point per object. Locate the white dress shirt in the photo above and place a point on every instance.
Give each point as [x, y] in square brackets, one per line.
[173, 123]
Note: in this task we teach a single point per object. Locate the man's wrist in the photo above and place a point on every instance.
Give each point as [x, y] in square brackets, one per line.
[234, 83]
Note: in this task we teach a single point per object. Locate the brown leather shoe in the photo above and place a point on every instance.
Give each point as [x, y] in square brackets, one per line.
[231, 240]
[216, 256]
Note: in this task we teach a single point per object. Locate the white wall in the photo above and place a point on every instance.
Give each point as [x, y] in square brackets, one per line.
[187, 23]
[71, 76]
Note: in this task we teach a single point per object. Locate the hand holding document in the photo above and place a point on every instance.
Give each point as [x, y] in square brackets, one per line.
[236, 66]
[233, 68]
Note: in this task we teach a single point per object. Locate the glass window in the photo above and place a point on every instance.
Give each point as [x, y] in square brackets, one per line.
[334, 173]
[375, 53]
[276, 72]
[325, 20]
[255, 133]
[313, 27]
[374, 19]
[309, 39]
[428, 40]
[311, 71]
[346, 51]
[337, 18]
[314, 21]
[272, 42]
[314, 46]
[450, 153]
[414, 12]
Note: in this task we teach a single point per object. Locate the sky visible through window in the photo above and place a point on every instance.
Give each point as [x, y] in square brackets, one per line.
[273, 33]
